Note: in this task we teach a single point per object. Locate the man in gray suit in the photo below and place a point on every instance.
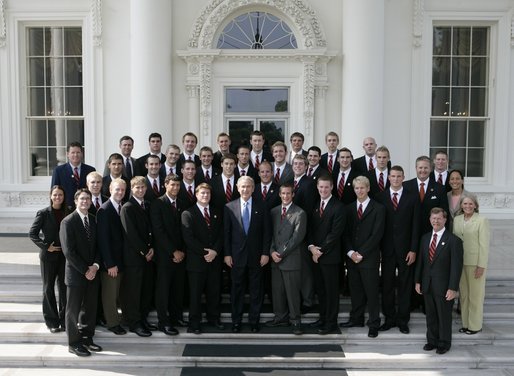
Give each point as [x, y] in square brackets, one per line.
[289, 227]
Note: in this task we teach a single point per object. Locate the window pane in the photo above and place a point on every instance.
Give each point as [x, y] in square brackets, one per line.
[458, 132]
[36, 102]
[38, 133]
[38, 161]
[74, 101]
[442, 41]
[440, 71]
[55, 101]
[53, 127]
[479, 71]
[35, 42]
[273, 130]
[438, 133]
[36, 74]
[461, 40]
[460, 102]
[475, 162]
[240, 130]
[476, 134]
[257, 100]
[440, 101]
[72, 41]
[460, 71]
[458, 159]
[478, 102]
[54, 72]
[480, 39]
[73, 71]
[75, 131]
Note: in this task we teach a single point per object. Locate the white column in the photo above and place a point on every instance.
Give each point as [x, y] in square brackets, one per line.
[363, 72]
[193, 93]
[150, 68]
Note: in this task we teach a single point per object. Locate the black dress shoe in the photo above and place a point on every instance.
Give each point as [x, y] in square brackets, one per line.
[180, 323]
[118, 330]
[101, 322]
[79, 350]
[297, 329]
[471, 332]
[386, 326]
[305, 309]
[463, 330]
[317, 324]
[442, 350]
[373, 333]
[217, 324]
[255, 328]
[276, 323]
[404, 329]
[148, 326]
[91, 346]
[196, 329]
[168, 330]
[428, 347]
[327, 330]
[141, 331]
[351, 324]
[236, 328]
[55, 329]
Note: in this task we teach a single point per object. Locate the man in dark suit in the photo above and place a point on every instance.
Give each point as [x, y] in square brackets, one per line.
[138, 252]
[343, 179]
[378, 181]
[440, 173]
[329, 159]
[223, 140]
[110, 245]
[78, 242]
[130, 165]
[94, 182]
[266, 190]
[170, 165]
[202, 230]
[115, 168]
[364, 230]
[258, 154]
[314, 170]
[244, 167]
[154, 180]
[305, 192]
[247, 241]
[155, 143]
[189, 143]
[289, 224]
[207, 170]
[326, 227]
[188, 184]
[170, 254]
[437, 277]
[224, 186]
[369, 160]
[399, 248]
[282, 171]
[296, 139]
[72, 175]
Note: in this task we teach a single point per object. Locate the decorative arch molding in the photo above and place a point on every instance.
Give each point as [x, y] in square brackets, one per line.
[299, 15]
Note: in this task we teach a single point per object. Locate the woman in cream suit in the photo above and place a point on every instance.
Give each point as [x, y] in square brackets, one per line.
[473, 229]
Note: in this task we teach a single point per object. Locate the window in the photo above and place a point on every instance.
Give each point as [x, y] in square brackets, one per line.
[55, 115]
[460, 95]
[257, 30]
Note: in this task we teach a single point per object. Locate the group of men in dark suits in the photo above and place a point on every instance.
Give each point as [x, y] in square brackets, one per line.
[187, 215]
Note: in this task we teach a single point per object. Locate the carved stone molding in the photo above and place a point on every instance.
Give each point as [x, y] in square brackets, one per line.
[205, 94]
[3, 28]
[417, 22]
[23, 199]
[309, 74]
[193, 91]
[299, 14]
[320, 92]
[512, 31]
[96, 21]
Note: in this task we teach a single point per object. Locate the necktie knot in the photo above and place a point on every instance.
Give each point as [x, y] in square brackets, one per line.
[283, 212]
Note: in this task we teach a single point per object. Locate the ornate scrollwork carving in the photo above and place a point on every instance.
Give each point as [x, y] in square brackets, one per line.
[96, 21]
[417, 22]
[3, 28]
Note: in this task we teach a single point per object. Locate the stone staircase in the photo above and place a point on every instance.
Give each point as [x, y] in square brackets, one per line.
[27, 347]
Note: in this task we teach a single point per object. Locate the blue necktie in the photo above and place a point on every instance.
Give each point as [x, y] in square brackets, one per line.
[246, 218]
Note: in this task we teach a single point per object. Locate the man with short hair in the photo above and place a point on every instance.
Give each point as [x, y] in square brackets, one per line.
[258, 154]
[189, 143]
[437, 277]
[78, 243]
[154, 181]
[155, 144]
[266, 191]
[72, 175]
[169, 167]
[187, 186]
[368, 161]
[94, 185]
[314, 169]
[244, 167]
[440, 173]
[289, 223]
[115, 166]
[305, 192]
[282, 171]
[343, 188]
[224, 142]
[297, 139]
[378, 176]
[329, 159]
[224, 185]
[247, 233]
[207, 170]
[130, 166]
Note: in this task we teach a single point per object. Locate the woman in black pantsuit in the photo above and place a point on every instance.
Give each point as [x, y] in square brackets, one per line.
[45, 234]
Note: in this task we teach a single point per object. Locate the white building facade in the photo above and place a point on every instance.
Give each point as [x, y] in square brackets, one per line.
[418, 75]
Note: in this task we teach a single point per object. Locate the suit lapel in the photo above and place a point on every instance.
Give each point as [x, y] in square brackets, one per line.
[441, 246]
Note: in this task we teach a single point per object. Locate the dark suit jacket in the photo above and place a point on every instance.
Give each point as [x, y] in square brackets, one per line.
[286, 176]
[141, 163]
[374, 190]
[364, 235]
[326, 231]
[435, 196]
[316, 174]
[402, 225]
[348, 192]
[182, 159]
[272, 198]
[183, 196]
[323, 163]
[135, 169]
[92, 208]
[446, 184]
[445, 271]
[200, 176]
[150, 194]
[218, 198]
[80, 252]
[197, 236]
[63, 176]
[246, 249]
[265, 156]
[137, 232]
[46, 224]
[250, 171]
[163, 172]
[106, 182]
[166, 228]
[110, 236]
[288, 236]
[306, 194]
[360, 165]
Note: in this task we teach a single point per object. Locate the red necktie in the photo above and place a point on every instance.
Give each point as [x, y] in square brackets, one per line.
[395, 200]
[433, 246]
[440, 179]
[370, 166]
[340, 186]
[87, 228]
[190, 193]
[207, 176]
[359, 212]
[330, 163]
[119, 209]
[283, 213]
[207, 217]
[174, 204]
[295, 187]
[422, 192]
[155, 187]
[322, 208]
[277, 176]
[264, 192]
[257, 163]
[243, 172]
[97, 203]
[310, 172]
[190, 158]
[228, 191]
[143, 205]
[381, 181]
[76, 176]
